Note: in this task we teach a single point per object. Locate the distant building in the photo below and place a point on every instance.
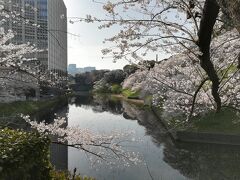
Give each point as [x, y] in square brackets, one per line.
[89, 69]
[73, 70]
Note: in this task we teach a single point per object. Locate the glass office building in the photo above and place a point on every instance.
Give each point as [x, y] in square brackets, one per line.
[47, 29]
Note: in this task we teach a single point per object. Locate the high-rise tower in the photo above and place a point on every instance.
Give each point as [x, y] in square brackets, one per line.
[47, 29]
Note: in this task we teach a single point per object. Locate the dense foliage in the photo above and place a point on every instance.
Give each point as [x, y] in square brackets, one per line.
[102, 87]
[110, 82]
[105, 81]
[116, 89]
[24, 155]
[130, 69]
[65, 175]
[114, 76]
[85, 81]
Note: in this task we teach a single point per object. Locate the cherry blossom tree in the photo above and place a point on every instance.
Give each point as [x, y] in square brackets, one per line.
[194, 88]
[231, 7]
[180, 86]
[167, 27]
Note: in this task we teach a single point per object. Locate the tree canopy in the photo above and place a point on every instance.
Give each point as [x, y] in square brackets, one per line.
[172, 27]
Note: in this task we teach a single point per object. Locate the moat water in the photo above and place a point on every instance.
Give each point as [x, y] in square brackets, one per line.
[165, 159]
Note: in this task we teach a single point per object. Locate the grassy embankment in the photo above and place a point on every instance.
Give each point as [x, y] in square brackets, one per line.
[225, 122]
[30, 107]
[128, 95]
[117, 89]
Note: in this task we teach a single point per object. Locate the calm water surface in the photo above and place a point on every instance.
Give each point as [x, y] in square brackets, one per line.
[165, 160]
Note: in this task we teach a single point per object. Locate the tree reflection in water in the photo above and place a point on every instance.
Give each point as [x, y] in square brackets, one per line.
[192, 160]
[204, 161]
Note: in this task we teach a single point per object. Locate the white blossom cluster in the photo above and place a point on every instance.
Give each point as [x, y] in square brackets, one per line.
[174, 82]
[107, 148]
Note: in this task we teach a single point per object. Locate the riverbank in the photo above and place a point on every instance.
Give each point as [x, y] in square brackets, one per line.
[113, 96]
[213, 128]
[31, 107]
[134, 101]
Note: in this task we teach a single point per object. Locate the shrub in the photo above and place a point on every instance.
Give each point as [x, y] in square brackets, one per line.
[114, 76]
[85, 81]
[65, 175]
[148, 100]
[130, 69]
[116, 89]
[101, 87]
[24, 155]
[131, 94]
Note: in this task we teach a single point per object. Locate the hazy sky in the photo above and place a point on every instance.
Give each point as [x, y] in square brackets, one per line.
[85, 50]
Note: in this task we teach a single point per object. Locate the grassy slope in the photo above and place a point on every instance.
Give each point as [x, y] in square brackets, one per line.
[28, 107]
[224, 122]
[131, 94]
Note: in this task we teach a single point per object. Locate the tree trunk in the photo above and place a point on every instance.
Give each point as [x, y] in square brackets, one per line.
[210, 14]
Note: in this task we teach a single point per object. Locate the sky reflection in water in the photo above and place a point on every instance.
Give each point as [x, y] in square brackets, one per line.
[165, 160]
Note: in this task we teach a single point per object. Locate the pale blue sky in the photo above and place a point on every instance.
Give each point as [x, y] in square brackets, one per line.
[86, 49]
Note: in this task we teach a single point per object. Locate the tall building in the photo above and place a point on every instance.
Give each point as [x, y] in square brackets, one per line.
[57, 35]
[47, 29]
